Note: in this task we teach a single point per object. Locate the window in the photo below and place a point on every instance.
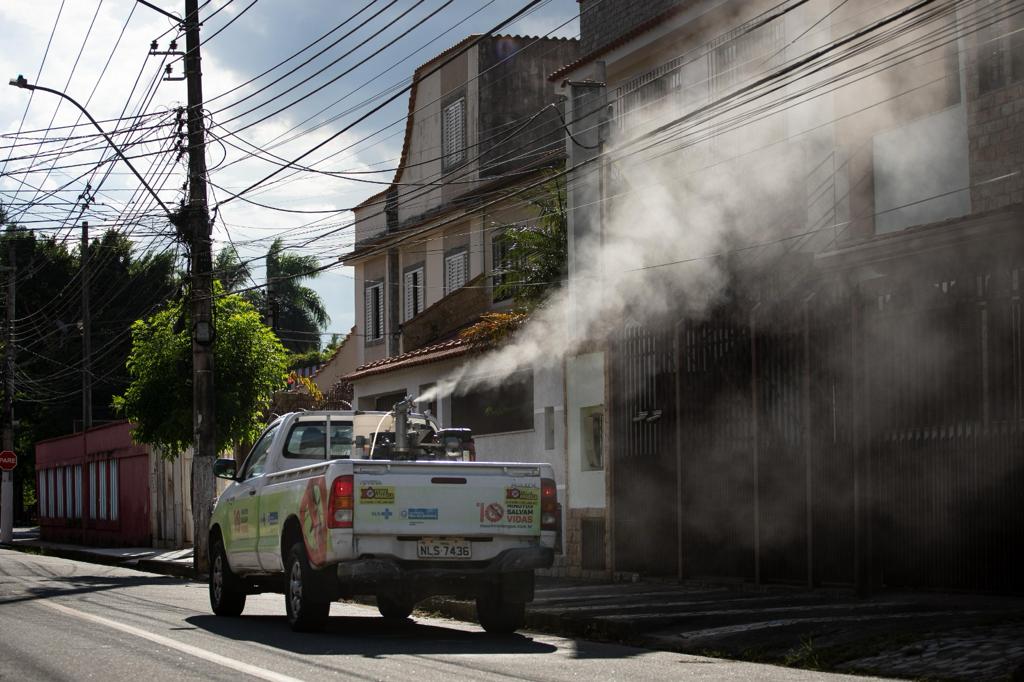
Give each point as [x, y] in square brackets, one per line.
[257, 459]
[425, 406]
[592, 437]
[456, 271]
[308, 440]
[113, 490]
[414, 292]
[78, 491]
[385, 403]
[60, 492]
[374, 311]
[453, 133]
[44, 497]
[500, 264]
[505, 406]
[102, 499]
[92, 490]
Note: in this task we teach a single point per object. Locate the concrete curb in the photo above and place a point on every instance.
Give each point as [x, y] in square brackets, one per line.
[546, 622]
[168, 568]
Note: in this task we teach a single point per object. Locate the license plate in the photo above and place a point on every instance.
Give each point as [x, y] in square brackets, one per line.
[448, 548]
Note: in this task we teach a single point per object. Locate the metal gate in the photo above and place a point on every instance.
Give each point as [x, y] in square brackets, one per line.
[643, 453]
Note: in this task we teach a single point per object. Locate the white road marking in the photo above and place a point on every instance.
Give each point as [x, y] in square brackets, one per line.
[231, 663]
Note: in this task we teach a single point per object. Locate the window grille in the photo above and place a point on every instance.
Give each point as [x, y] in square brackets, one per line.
[414, 293]
[456, 271]
[374, 311]
[113, 490]
[60, 492]
[78, 491]
[102, 499]
[44, 498]
[93, 490]
[453, 133]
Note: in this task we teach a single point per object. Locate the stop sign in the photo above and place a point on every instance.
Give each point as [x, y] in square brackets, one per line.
[8, 460]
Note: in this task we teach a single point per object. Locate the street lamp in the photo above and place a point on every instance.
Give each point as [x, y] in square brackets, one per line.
[21, 82]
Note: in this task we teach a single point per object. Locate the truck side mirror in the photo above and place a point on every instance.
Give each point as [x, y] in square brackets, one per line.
[225, 468]
[360, 442]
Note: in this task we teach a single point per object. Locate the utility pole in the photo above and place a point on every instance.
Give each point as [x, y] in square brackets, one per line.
[86, 333]
[7, 485]
[197, 220]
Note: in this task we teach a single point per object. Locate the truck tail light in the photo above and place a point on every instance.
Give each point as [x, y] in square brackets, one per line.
[548, 504]
[341, 508]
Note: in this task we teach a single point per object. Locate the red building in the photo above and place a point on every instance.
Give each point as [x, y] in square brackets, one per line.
[94, 488]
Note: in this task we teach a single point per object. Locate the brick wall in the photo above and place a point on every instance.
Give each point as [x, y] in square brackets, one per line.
[572, 540]
[996, 138]
[451, 312]
[602, 21]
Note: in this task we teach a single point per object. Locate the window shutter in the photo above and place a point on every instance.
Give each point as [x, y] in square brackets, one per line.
[453, 134]
[369, 328]
[379, 289]
[413, 293]
[455, 269]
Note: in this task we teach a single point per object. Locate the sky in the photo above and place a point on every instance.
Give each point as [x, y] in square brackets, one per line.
[97, 51]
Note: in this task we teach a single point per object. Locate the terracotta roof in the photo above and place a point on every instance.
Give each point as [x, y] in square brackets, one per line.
[421, 356]
[637, 30]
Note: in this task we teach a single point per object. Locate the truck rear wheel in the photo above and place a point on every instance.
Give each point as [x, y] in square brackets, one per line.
[304, 600]
[394, 607]
[499, 616]
[227, 596]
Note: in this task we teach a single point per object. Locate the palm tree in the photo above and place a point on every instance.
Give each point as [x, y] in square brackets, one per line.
[230, 270]
[297, 311]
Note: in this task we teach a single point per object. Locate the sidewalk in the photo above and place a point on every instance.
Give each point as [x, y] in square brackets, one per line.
[915, 635]
[176, 562]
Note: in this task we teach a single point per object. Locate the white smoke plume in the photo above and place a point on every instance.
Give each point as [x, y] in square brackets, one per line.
[679, 216]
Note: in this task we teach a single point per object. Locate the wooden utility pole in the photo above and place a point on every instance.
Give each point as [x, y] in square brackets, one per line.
[86, 333]
[197, 220]
[7, 484]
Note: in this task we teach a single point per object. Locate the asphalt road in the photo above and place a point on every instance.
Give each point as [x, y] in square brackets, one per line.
[67, 620]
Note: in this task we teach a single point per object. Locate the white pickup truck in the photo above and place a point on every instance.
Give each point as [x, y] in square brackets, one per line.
[335, 504]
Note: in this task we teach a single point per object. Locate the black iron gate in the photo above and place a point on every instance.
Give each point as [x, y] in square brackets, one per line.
[643, 454]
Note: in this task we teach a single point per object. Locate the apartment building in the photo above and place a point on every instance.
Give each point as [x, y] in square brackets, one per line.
[483, 122]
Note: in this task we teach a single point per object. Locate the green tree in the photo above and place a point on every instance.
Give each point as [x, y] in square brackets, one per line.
[536, 255]
[295, 311]
[250, 366]
[125, 283]
[230, 270]
[532, 268]
[299, 312]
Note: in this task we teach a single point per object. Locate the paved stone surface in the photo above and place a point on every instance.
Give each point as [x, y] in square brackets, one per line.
[981, 653]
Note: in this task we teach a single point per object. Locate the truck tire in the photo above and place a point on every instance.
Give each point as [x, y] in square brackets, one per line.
[304, 600]
[227, 594]
[394, 607]
[499, 616]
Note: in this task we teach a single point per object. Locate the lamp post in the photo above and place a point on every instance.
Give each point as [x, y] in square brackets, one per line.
[21, 82]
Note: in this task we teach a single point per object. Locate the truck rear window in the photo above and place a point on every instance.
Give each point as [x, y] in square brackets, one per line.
[308, 440]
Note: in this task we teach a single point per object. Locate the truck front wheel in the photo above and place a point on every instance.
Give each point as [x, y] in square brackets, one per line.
[500, 616]
[227, 596]
[305, 603]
